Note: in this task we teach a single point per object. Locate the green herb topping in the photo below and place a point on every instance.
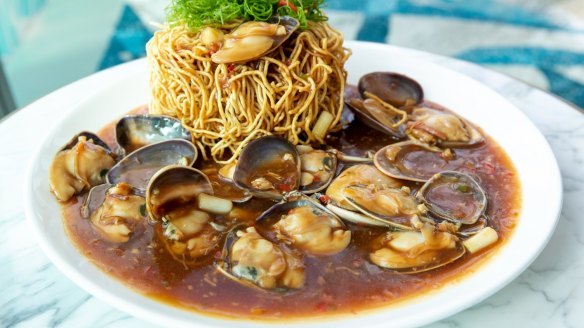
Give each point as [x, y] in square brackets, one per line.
[198, 13]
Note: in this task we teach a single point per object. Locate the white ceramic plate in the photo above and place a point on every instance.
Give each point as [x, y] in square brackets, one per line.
[530, 153]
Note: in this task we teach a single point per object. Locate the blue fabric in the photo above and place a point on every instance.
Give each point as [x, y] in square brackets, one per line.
[549, 59]
[129, 40]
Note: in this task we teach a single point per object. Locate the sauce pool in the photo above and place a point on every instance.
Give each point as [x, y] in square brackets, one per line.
[344, 283]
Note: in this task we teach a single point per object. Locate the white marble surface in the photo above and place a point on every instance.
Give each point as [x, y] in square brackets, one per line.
[550, 293]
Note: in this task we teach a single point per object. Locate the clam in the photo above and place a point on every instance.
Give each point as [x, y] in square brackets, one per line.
[454, 196]
[94, 199]
[139, 166]
[119, 213]
[439, 129]
[253, 39]
[307, 225]
[81, 164]
[181, 199]
[222, 181]
[372, 113]
[395, 89]
[268, 167]
[410, 252]
[137, 131]
[89, 137]
[361, 174]
[317, 168]
[253, 261]
[410, 161]
[392, 207]
[383, 100]
[174, 186]
[467, 230]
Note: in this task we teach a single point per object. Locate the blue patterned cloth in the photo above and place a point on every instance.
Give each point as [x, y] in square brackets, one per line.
[539, 42]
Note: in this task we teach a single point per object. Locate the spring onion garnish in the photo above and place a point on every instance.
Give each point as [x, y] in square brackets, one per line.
[198, 13]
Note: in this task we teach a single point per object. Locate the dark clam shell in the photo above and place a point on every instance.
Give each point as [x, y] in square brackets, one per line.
[136, 131]
[261, 153]
[393, 88]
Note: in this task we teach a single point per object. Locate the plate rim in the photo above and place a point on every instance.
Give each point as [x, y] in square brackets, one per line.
[137, 310]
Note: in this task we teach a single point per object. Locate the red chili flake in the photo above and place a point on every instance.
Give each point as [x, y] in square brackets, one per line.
[148, 268]
[324, 199]
[231, 68]
[316, 178]
[489, 167]
[320, 307]
[284, 3]
[120, 197]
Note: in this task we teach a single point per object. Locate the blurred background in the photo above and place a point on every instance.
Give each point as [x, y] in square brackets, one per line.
[46, 44]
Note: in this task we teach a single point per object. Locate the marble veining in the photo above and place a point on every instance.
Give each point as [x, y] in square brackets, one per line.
[550, 293]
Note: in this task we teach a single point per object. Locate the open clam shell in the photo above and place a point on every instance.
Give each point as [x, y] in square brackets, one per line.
[361, 174]
[95, 198]
[411, 252]
[253, 39]
[307, 225]
[268, 167]
[440, 129]
[393, 88]
[467, 230]
[374, 116]
[187, 228]
[118, 212]
[410, 161]
[391, 207]
[255, 262]
[88, 136]
[454, 196]
[139, 166]
[173, 186]
[81, 164]
[136, 131]
[223, 185]
[318, 169]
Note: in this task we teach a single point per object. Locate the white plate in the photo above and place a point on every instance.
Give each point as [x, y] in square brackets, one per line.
[530, 153]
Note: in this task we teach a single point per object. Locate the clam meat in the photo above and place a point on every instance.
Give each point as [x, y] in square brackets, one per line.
[393, 206]
[438, 129]
[361, 174]
[80, 165]
[416, 251]
[268, 167]
[252, 260]
[306, 225]
[250, 40]
[317, 168]
[181, 199]
[119, 214]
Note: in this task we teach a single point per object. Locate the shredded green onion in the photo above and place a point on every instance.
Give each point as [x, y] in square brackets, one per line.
[198, 13]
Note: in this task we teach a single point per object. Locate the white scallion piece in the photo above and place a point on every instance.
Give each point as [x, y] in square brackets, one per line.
[214, 204]
[323, 123]
[482, 239]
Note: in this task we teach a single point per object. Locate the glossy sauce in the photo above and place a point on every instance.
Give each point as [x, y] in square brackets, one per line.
[344, 283]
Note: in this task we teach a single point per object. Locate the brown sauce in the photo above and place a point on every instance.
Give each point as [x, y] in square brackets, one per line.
[344, 283]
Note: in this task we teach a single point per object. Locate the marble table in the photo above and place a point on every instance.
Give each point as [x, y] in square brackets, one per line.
[550, 293]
